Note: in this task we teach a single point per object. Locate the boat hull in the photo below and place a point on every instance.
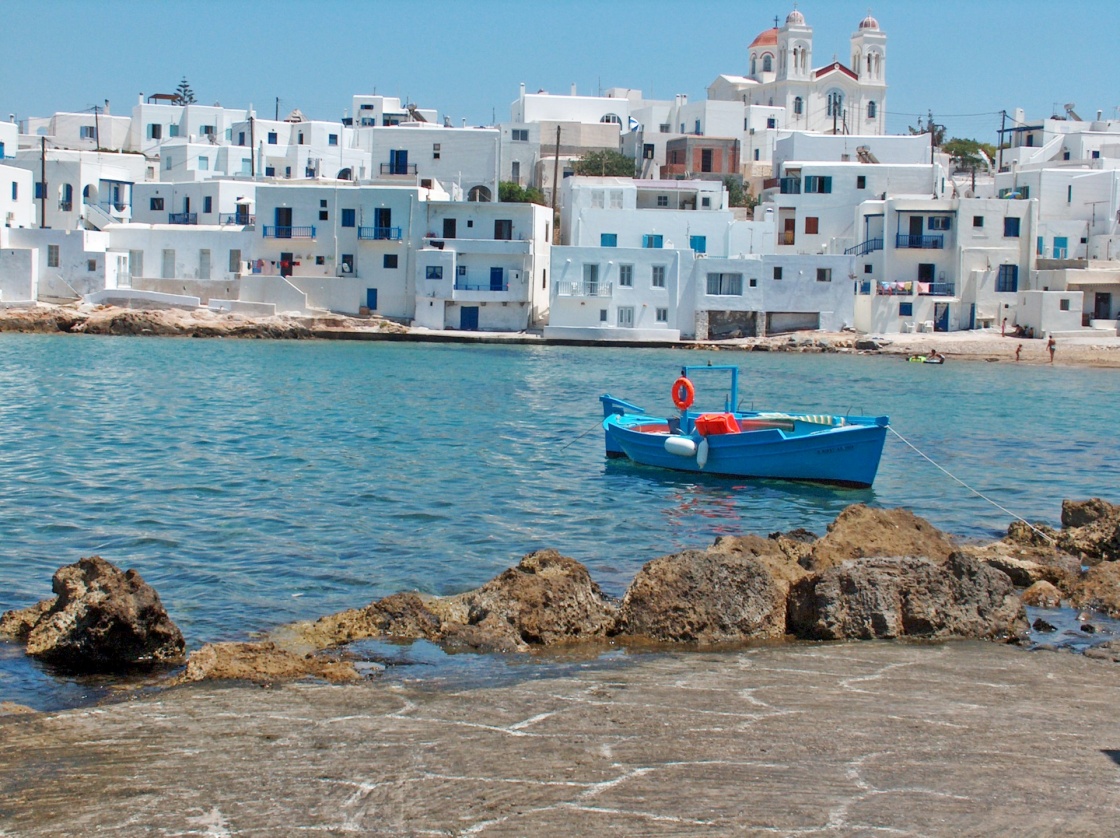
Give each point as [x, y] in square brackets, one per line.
[846, 455]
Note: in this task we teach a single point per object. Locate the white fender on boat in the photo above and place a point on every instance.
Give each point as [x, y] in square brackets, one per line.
[702, 453]
[682, 446]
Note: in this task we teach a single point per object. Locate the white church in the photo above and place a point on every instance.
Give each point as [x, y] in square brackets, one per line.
[835, 98]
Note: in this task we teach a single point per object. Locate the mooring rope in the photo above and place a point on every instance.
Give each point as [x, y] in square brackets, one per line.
[979, 494]
[598, 424]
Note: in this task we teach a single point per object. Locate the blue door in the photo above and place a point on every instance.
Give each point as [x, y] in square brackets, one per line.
[398, 161]
[468, 318]
[371, 299]
[497, 278]
[941, 317]
[1061, 247]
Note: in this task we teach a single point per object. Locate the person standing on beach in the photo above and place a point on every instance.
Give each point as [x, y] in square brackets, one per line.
[1051, 345]
[1018, 352]
[1003, 329]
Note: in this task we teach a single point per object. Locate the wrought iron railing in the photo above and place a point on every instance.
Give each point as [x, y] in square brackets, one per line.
[289, 232]
[379, 233]
[865, 247]
[398, 168]
[919, 242]
[182, 218]
[482, 286]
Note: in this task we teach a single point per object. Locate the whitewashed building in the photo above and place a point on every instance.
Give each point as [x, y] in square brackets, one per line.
[943, 264]
[345, 247]
[658, 261]
[483, 266]
[83, 188]
[463, 161]
[835, 97]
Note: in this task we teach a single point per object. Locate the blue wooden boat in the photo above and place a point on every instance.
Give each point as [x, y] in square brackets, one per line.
[823, 448]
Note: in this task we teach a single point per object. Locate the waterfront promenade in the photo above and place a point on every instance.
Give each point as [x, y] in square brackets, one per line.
[1099, 348]
[953, 739]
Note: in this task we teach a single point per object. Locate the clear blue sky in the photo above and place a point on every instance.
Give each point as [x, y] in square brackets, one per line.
[963, 59]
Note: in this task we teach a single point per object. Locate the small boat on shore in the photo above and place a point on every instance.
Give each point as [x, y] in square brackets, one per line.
[823, 448]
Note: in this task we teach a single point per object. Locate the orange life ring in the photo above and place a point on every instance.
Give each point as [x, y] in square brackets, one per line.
[683, 393]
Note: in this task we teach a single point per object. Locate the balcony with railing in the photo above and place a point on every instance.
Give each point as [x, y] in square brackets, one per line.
[289, 232]
[904, 241]
[583, 289]
[391, 234]
[237, 218]
[463, 285]
[865, 247]
[182, 218]
[398, 168]
[912, 288]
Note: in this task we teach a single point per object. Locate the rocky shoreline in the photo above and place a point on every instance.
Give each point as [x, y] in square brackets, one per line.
[1091, 349]
[876, 574]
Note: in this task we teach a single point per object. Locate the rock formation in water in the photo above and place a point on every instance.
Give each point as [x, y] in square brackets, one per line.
[734, 591]
[907, 596]
[100, 620]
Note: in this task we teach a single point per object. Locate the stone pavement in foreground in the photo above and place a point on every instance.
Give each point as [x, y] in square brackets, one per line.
[846, 739]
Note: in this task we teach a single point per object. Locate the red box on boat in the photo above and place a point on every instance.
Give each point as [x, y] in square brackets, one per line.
[710, 424]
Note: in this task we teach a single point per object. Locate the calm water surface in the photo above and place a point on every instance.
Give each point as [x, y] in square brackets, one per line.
[254, 483]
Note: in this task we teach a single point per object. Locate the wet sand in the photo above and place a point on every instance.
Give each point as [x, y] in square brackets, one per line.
[844, 739]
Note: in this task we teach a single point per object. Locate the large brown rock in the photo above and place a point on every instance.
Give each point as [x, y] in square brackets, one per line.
[1027, 563]
[1097, 537]
[1079, 513]
[907, 597]
[101, 619]
[545, 600]
[861, 531]
[1099, 590]
[1042, 595]
[263, 662]
[733, 592]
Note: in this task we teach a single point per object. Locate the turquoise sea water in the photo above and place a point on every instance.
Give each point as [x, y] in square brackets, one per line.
[257, 482]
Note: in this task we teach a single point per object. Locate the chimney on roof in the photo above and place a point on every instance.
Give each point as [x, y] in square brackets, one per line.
[573, 88]
[522, 90]
[106, 107]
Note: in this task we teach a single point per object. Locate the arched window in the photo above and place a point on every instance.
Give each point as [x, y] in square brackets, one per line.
[798, 105]
[872, 110]
[834, 104]
[479, 193]
[767, 63]
[754, 65]
[344, 174]
[611, 119]
[878, 65]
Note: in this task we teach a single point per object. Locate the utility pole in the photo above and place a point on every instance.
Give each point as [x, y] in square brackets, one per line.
[277, 117]
[999, 145]
[555, 181]
[43, 178]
